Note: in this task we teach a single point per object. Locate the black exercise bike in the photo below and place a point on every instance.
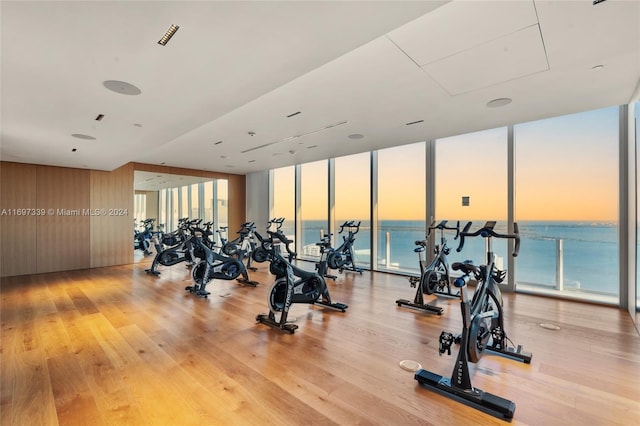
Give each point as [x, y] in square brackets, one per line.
[434, 276]
[260, 254]
[292, 285]
[142, 239]
[343, 257]
[184, 248]
[325, 248]
[212, 266]
[242, 248]
[483, 329]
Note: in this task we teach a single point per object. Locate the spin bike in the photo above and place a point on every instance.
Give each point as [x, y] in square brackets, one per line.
[142, 238]
[184, 249]
[434, 277]
[325, 249]
[244, 244]
[212, 266]
[342, 258]
[260, 254]
[292, 285]
[482, 330]
[242, 248]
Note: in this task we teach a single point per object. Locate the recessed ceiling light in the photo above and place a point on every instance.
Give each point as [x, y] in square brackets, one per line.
[499, 102]
[121, 87]
[81, 136]
[167, 36]
[597, 67]
[414, 122]
[356, 136]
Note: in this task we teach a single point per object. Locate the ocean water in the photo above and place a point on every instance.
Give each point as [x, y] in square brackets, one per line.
[589, 254]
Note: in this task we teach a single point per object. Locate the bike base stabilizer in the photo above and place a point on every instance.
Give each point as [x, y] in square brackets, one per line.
[271, 322]
[337, 306]
[424, 307]
[475, 398]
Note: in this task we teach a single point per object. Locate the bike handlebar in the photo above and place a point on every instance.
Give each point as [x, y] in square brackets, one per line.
[350, 224]
[442, 226]
[487, 232]
[246, 228]
[278, 221]
[282, 238]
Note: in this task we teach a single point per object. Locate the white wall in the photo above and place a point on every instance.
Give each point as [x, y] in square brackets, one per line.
[258, 199]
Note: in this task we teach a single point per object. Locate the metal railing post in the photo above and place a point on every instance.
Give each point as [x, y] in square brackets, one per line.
[559, 265]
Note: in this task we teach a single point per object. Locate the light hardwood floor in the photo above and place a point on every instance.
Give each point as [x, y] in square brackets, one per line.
[116, 346]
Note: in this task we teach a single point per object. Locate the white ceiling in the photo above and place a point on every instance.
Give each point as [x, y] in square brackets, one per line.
[151, 181]
[349, 67]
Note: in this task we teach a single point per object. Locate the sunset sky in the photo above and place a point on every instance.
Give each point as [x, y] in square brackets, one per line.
[566, 169]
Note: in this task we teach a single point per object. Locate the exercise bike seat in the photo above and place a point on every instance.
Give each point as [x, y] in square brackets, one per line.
[302, 273]
[465, 267]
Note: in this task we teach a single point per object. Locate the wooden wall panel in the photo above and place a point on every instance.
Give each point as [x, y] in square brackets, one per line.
[17, 233]
[112, 226]
[63, 237]
[70, 238]
[237, 201]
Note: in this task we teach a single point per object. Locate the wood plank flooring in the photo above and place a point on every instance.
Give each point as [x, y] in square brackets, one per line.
[114, 346]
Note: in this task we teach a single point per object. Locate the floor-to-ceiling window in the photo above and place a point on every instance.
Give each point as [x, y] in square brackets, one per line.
[567, 203]
[637, 136]
[208, 201]
[564, 196]
[184, 202]
[313, 207]
[352, 203]
[283, 199]
[162, 211]
[471, 185]
[401, 206]
[139, 207]
[193, 201]
[221, 206]
[203, 200]
[174, 207]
